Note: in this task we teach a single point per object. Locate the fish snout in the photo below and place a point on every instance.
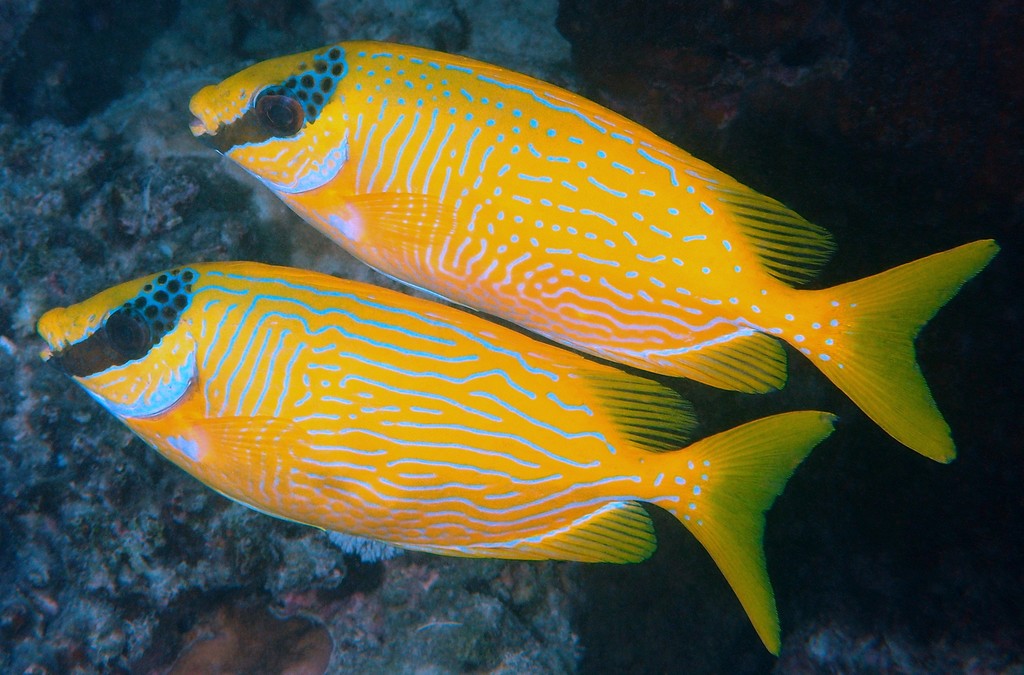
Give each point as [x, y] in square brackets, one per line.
[198, 127]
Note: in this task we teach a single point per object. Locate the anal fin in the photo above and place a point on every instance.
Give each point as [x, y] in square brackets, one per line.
[618, 532]
[749, 362]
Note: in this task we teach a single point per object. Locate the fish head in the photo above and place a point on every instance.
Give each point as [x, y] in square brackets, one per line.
[275, 119]
[132, 346]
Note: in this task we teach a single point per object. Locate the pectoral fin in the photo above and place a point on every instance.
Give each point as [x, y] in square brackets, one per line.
[239, 457]
[403, 222]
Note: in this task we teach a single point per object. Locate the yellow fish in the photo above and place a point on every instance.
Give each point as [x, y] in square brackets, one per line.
[515, 197]
[366, 411]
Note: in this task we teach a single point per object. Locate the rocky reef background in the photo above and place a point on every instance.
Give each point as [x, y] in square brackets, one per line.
[898, 127]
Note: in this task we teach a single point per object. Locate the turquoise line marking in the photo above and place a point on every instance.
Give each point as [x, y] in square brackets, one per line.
[671, 169]
[599, 261]
[419, 153]
[366, 149]
[532, 94]
[483, 160]
[596, 183]
[469, 149]
[598, 214]
[396, 161]
[287, 377]
[437, 157]
[268, 370]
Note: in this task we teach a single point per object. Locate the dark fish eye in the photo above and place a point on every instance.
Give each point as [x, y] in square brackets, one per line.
[129, 333]
[281, 115]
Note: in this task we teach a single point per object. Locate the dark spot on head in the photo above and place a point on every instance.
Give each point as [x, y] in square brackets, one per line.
[162, 279]
[291, 83]
[158, 326]
[180, 301]
[318, 98]
[188, 288]
[336, 69]
[140, 303]
[302, 94]
[187, 276]
[307, 81]
[169, 312]
[173, 285]
[334, 54]
[147, 287]
[326, 84]
[311, 110]
[320, 67]
[161, 296]
[175, 272]
[151, 311]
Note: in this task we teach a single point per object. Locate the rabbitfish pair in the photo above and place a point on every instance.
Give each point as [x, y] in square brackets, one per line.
[365, 411]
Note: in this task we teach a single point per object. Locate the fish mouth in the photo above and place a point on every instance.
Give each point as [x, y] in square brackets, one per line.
[198, 127]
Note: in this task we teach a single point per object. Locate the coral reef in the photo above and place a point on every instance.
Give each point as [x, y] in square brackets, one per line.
[111, 559]
[896, 128]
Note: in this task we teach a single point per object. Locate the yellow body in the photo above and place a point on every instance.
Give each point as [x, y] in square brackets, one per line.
[369, 412]
[526, 201]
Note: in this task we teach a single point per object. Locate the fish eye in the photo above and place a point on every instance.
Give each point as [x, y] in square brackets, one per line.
[129, 333]
[279, 114]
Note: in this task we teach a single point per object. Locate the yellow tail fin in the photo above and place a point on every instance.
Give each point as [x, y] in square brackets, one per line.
[728, 482]
[874, 362]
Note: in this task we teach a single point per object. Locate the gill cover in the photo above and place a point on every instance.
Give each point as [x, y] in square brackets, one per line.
[127, 346]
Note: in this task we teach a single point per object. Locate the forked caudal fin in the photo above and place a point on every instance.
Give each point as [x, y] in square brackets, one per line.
[873, 360]
[732, 479]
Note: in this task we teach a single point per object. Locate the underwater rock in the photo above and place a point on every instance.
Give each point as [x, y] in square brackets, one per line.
[63, 67]
[241, 638]
[111, 559]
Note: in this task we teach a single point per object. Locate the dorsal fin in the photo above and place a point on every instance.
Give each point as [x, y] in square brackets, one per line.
[790, 248]
[646, 412]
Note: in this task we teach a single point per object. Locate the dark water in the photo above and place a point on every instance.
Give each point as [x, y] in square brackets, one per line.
[898, 128]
